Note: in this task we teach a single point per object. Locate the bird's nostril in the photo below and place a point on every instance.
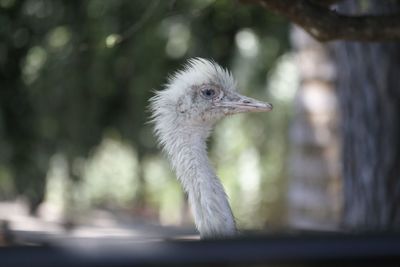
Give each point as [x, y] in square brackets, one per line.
[246, 101]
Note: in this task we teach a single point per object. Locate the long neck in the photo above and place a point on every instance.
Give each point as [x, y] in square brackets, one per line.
[188, 153]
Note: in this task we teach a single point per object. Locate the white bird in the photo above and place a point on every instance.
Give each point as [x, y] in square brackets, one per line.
[184, 113]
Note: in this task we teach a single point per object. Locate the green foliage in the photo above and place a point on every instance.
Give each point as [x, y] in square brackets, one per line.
[73, 72]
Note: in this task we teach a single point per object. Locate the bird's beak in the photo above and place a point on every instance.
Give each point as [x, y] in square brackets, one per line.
[239, 104]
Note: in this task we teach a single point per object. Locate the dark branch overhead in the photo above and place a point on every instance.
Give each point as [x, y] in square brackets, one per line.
[326, 24]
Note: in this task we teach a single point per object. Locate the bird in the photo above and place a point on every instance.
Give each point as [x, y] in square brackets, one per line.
[184, 113]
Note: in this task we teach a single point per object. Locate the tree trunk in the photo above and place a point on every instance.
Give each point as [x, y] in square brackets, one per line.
[314, 198]
[369, 103]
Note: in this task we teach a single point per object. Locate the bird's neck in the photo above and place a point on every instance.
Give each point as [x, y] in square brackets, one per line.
[187, 150]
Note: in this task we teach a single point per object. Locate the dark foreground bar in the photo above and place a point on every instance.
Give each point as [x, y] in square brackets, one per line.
[288, 250]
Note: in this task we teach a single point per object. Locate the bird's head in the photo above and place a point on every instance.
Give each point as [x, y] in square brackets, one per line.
[201, 94]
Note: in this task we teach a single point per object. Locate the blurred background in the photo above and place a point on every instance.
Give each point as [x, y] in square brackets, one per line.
[77, 153]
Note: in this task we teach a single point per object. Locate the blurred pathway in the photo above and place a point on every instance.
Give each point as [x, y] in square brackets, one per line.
[22, 228]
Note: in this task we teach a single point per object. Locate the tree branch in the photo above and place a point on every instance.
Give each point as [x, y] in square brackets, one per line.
[326, 25]
[326, 2]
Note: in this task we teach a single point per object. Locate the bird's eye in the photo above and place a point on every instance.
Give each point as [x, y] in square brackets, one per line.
[208, 93]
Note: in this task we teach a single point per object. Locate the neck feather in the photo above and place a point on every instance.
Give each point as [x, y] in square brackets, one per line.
[187, 150]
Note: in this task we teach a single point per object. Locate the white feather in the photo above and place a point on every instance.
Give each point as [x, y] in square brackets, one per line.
[184, 141]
